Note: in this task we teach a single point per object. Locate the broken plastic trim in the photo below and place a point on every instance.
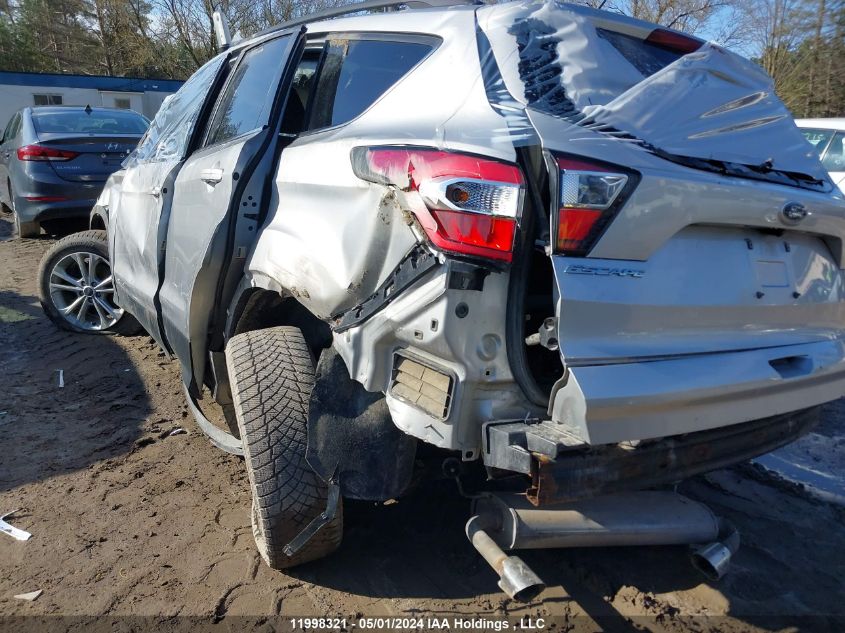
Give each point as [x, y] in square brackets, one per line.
[417, 263]
[220, 438]
[317, 523]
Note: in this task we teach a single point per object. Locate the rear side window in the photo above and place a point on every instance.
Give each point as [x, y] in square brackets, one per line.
[245, 105]
[92, 122]
[356, 73]
[646, 57]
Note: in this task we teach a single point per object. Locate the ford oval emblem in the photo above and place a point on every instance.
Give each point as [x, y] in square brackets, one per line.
[793, 212]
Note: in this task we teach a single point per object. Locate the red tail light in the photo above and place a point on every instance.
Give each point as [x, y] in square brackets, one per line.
[676, 42]
[471, 205]
[40, 152]
[588, 197]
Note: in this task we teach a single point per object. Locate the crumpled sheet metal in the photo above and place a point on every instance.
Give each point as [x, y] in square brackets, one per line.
[709, 104]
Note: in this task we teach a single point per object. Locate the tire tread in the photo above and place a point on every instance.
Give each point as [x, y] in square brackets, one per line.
[271, 374]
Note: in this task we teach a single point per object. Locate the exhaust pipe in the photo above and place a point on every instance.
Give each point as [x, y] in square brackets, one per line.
[515, 577]
[508, 522]
[713, 559]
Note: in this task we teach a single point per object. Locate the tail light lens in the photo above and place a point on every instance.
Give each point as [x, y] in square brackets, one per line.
[588, 197]
[41, 153]
[471, 205]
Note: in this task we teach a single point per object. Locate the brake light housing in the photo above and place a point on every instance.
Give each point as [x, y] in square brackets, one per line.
[470, 205]
[674, 41]
[36, 152]
[587, 195]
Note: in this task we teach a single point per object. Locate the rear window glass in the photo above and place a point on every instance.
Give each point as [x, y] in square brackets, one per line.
[645, 57]
[356, 73]
[77, 121]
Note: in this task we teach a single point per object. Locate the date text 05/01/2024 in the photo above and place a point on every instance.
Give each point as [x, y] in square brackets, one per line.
[419, 623]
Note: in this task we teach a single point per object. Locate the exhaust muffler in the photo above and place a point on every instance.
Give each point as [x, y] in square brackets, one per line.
[508, 522]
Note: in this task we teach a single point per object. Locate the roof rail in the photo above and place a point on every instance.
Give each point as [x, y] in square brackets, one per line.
[366, 5]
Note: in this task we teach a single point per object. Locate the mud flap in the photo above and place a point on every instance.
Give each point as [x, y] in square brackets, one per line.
[352, 438]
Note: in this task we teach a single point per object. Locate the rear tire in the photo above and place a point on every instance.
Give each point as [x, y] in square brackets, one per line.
[271, 375]
[7, 208]
[23, 229]
[83, 245]
[26, 229]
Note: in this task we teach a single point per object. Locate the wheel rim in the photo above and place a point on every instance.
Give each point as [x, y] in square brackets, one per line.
[82, 290]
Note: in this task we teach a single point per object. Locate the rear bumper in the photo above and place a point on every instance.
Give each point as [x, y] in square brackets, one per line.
[662, 398]
[44, 211]
[578, 473]
[76, 199]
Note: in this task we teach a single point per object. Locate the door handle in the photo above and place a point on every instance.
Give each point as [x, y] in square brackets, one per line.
[156, 191]
[211, 176]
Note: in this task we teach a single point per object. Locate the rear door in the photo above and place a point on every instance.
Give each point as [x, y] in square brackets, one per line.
[221, 184]
[138, 209]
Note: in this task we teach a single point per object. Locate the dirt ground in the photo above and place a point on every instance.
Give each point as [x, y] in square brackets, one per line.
[128, 520]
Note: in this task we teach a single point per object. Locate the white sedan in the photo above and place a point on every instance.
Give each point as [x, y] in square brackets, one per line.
[828, 137]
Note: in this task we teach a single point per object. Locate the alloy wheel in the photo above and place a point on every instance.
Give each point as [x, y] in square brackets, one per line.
[82, 290]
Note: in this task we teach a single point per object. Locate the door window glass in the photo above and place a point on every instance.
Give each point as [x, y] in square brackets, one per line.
[170, 132]
[834, 158]
[356, 73]
[246, 103]
[302, 87]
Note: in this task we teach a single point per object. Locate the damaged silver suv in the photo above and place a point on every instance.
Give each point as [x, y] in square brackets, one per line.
[574, 251]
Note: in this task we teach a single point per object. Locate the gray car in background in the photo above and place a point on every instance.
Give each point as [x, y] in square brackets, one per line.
[54, 160]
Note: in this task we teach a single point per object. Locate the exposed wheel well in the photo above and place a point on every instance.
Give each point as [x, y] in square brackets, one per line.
[97, 222]
[257, 309]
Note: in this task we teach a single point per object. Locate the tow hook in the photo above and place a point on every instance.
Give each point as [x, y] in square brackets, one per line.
[503, 522]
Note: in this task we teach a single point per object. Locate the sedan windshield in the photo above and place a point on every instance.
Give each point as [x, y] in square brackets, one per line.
[95, 122]
[818, 139]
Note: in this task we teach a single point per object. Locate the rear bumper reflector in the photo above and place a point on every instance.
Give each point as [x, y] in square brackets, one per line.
[45, 198]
